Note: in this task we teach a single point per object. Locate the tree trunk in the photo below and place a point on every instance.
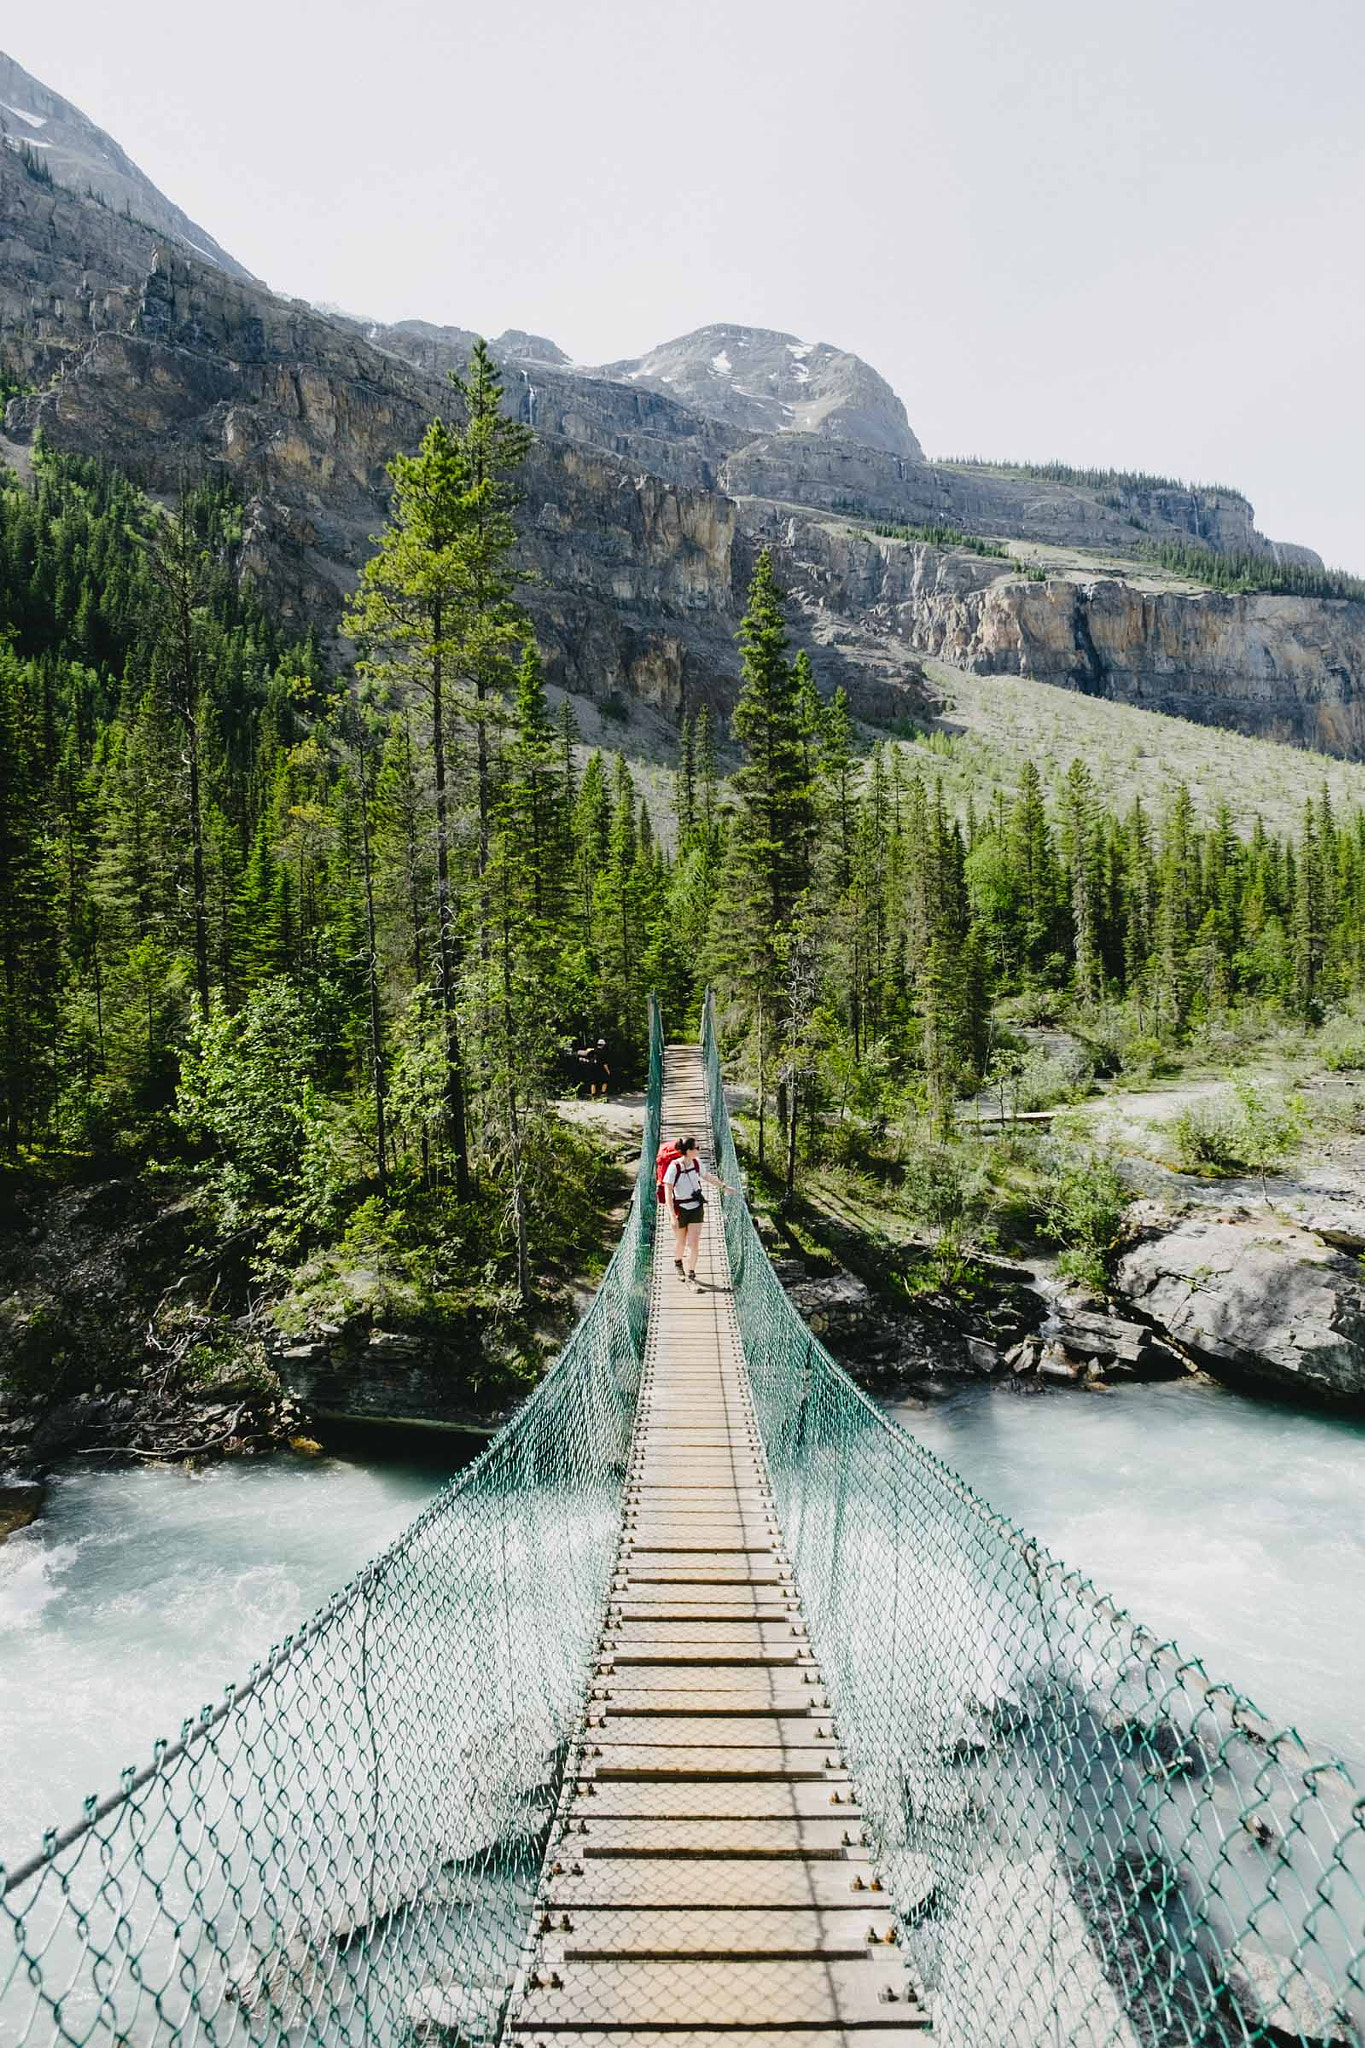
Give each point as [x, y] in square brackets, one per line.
[794, 1109]
[201, 918]
[762, 1082]
[455, 1096]
[514, 1114]
[377, 1074]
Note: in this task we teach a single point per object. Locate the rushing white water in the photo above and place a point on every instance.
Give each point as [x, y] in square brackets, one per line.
[1235, 1526]
[138, 1596]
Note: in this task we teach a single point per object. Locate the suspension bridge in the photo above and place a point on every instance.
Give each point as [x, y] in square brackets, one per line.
[705, 1708]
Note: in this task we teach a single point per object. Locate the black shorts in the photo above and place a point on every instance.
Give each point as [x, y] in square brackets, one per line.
[690, 1213]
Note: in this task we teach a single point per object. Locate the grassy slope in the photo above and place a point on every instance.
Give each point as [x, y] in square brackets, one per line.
[990, 725]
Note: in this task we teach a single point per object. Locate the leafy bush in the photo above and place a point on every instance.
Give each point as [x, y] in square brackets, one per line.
[1239, 1130]
[247, 1092]
[1346, 1054]
[1082, 1200]
[1205, 1135]
[1047, 1078]
[1038, 1006]
[947, 1190]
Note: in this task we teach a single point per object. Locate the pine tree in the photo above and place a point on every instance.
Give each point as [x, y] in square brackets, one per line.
[1310, 918]
[769, 844]
[1081, 854]
[28, 953]
[179, 567]
[685, 784]
[1033, 860]
[708, 778]
[836, 771]
[410, 616]
[493, 627]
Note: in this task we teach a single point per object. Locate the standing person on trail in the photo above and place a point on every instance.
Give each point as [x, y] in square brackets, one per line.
[593, 1061]
[687, 1207]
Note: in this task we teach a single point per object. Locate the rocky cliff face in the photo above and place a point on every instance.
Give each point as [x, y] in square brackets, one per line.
[168, 362]
[83, 158]
[651, 487]
[842, 476]
[1283, 668]
[764, 382]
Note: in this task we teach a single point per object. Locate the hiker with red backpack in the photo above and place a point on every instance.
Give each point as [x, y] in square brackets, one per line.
[678, 1177]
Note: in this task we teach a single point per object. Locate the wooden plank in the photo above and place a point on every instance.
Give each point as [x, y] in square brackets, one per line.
[713, 1573]
[597, 1934]
[687, 1632]
[789, 1731]
[701, 1653]
[908, 2035]
[762, 1700]
[786, 1837]
[638, 1554]
[673, 1760]
[720, 1884]
[868, 1994]
[722, 1601]
[724, 1799]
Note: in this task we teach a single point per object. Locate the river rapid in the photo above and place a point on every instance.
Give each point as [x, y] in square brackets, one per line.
[138, 1595]
[1236, 1526]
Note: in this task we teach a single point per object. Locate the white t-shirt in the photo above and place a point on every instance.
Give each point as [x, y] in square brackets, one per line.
[684, 1180]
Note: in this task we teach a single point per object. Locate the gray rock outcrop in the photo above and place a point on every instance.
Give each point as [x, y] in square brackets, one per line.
[762, 381]
[1252, 1297]
[653, 483]
[1284, 668]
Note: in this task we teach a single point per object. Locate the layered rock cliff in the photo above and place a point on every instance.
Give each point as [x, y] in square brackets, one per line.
[1283, 668]
[651, 487]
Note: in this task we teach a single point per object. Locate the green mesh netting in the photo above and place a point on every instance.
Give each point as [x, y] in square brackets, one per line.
[1094, 1842]
[345, 1848]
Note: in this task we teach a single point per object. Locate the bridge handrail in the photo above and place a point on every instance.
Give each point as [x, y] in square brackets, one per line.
[1029, 1757]
[345, 1846]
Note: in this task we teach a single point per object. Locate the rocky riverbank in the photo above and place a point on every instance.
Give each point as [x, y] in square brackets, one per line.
[1244, 1293]
[1018, 1329]
[122, 1338]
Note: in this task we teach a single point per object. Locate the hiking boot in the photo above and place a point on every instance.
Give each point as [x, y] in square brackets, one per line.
[692, 1282]
[678, 1269]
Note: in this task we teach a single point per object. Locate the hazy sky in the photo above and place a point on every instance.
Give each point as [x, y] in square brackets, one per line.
[1093, 229]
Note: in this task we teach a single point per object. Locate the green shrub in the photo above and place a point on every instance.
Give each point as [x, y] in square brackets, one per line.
[947, 1190]
[1205, 1135]
[1346, 1054]
[1047, 1078]
[1239, 1130]
[1082, 1200]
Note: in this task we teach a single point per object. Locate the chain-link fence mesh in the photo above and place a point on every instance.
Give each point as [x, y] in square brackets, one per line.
[1106, 1846]
[345, 1848]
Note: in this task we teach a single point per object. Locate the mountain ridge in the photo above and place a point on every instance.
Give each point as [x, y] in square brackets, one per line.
[646, 504]
[84, 158]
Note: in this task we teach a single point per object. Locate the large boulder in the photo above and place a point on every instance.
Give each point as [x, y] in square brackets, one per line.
[1251, 1295]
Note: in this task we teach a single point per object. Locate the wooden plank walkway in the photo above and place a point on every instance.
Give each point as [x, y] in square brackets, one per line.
[707, 1883]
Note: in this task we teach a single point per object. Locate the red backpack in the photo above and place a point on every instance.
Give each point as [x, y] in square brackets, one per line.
[663, 1159]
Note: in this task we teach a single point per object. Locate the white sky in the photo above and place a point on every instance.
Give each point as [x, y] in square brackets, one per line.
[1109, 232]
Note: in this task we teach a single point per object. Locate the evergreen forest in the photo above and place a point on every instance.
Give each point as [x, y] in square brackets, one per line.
[323, 943]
